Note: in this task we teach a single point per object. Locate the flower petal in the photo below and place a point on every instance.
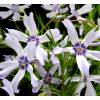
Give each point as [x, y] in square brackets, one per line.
[6, 5]
[91, 37]
[95, 44]
[81, 29]
[72, 33]
[81, 85]
[31, 50]
[18, 77]
[37, 88]
[41, 55]
[8, 70]
[51, 14]
[7, 87]
[19, 35]
[8, 63]
[95, 78]
[95, 55]
[64, 42]
[41, 70]
[85, 9]
[34, 79]
[55, 33]
[58, 50]
[90, 91]
[47, 6]
[55, 81]
[30, 24]
[16, 16]
[5, 14]
[83, 65]
[76, 79]
[13, 43]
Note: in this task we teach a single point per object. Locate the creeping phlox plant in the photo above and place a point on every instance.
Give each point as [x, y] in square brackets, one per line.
[61, 59]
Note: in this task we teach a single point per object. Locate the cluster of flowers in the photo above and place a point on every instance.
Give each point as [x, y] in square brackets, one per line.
[33, 55]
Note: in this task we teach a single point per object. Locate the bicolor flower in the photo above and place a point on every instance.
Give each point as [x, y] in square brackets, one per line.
[33, 40]
[22, 62]
[77, 13]
[7, 86]
[13, 9]
[86, 81]
[80, 48]
[47, 78]
[56, 10]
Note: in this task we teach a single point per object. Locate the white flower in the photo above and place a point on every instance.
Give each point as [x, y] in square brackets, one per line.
[33, 40]
[47, 78]
[80, 48]
[7, 86]
[22, 62]
[14, 9]
[55, 10]
[77, 13]
[86, 81]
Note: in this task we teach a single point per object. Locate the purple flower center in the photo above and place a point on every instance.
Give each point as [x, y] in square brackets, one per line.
[80, 49]
[47, 78]
[14, 8]
[23, 62]
[33, 38]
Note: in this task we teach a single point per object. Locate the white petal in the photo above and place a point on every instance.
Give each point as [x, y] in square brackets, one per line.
[37, 88]
[95, 55]
[34, 79]
[91, 37]
[8, 70]
[90, 91]
[72, 33]
[53, 69]
[95, 44]
[54, 33]
[85, 9]
[16, 16]
[83, 65]
[7, 87]
[5, 14]
[51, 14]
[18, 77]
[13, 43]
[41, 70]
[31, 50]
[30, 24]
[58, 50]
[8, 63]
[19, 35]
[81, 29]
[81, 85]
[95, 78]
[64, 42]
[55, 81]
[43, 38]
[75, 79]
[41, 55]
[6, 5]
[72, 7]
[80, 19]
[47, 6]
